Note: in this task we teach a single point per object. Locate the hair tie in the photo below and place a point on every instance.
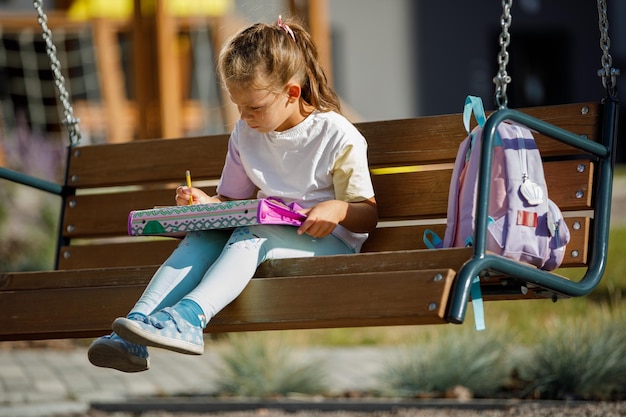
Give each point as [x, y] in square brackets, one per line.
[285, 27]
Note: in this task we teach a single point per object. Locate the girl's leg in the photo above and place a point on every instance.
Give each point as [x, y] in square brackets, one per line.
[247, 248]
[175, 329]
[182, 271]
[176, 277]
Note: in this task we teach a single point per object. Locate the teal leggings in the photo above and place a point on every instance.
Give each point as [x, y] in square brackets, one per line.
[213, 267]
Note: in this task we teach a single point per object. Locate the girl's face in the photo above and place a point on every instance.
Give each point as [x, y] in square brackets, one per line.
[267, 111]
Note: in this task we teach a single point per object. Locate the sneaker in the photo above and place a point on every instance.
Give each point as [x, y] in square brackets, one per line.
[174, 333]
[114, 352]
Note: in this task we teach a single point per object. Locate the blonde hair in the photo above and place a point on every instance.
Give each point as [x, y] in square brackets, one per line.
[267, 57]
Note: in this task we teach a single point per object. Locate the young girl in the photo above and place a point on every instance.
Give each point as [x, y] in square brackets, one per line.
[291, 143]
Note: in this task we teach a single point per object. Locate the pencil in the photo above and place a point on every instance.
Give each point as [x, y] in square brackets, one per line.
[188, 177]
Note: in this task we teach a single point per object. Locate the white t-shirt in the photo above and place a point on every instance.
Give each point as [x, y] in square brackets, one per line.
[322, 158]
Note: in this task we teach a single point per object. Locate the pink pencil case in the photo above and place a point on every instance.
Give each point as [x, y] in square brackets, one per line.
[177, 220]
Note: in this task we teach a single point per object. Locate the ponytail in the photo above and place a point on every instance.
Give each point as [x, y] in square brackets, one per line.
[268, 56]
[316, 90]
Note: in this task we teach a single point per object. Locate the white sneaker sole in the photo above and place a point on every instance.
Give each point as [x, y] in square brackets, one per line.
[134, 333]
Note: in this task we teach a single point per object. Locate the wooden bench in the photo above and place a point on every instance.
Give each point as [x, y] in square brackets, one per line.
[395, 281]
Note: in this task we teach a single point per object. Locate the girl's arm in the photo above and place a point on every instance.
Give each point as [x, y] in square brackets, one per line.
[199, 197]
[360, 217]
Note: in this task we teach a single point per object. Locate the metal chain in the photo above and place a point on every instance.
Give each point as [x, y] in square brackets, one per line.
[608, 74]
[502, 79]
[70, 121]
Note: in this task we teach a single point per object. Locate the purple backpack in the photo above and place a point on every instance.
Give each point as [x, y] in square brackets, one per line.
[523, 223]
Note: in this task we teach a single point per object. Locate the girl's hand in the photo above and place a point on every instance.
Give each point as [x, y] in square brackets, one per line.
[322, 219]
[198, 196]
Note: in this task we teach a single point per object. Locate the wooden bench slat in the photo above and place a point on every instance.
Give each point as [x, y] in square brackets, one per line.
[16, 282]
[414, 195]
[426, 140]
[345, 300]
[153, 252]
[150, 161]
[406, 297]
[569, 184]
[336, 264]
[380, 262]
[91, 313]
[421, 195]
[410, 238]
[98, 215]
[577, 251]
[140, 252]
[436, 139]
[579, 118]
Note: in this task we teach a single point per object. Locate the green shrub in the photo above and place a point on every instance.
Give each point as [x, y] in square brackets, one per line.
[616, 261]
[28, 228]
[474, 360]
[257, 365]
[29, 217]
[579, 359]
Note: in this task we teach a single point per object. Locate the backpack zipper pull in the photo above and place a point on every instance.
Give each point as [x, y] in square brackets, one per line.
[532, 193]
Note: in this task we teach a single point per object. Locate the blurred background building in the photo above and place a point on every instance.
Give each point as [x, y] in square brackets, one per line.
[145, 68]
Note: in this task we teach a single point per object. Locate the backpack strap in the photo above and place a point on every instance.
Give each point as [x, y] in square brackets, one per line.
[432, 240]
[474, 105]
[477, 304]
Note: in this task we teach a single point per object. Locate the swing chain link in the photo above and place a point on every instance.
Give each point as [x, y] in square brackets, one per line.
[607, 73]
[70, 121]
[502, 79]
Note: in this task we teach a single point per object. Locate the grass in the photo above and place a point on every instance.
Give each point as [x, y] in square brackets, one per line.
[620, 170]
[256, 365]
[579, 359]
[480, 365]
[615, 275]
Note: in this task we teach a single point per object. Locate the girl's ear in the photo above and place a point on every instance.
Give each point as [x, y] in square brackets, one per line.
[293, 92]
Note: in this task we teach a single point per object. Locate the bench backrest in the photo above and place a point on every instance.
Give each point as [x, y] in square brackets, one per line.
[411, 162]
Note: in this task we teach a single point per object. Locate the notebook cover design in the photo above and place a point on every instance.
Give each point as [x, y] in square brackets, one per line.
[175, 220]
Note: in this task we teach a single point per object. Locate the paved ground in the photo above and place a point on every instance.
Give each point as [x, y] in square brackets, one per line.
[62, 383]
[44, 382]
